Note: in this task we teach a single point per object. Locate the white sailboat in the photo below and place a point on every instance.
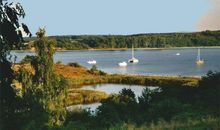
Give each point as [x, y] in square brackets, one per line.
[92, 62]
[122, 64]
[199, 61]
[177, 54]
[133, 59]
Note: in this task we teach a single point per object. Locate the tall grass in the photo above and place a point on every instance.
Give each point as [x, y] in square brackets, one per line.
[78, 96]
[202, 124]
[136, 80]
[81, 76]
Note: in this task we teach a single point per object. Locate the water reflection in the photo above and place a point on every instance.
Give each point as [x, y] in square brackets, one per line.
[115, 88]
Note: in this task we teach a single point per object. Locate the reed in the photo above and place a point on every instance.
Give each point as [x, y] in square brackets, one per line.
[135, 80]
[193, 124]
[79, 96]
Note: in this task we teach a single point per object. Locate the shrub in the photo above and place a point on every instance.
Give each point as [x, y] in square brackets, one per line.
[59, 62]
[74, 64]
[28, 59]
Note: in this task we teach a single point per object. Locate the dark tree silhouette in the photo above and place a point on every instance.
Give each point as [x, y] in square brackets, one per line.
[10, 36]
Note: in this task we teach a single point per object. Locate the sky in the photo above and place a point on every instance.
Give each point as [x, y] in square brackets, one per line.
[92, 17]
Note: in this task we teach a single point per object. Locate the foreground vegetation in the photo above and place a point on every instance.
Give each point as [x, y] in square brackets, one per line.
[173, 108]
[151, 40]
[202, 124]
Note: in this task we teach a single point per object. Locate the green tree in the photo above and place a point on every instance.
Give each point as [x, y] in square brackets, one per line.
[45, 92]
[10, 37]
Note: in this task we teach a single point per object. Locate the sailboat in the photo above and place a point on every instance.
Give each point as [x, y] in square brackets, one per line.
[199, 61]
[133, 59]
[92, 62]
[177, 54]
[122, 64]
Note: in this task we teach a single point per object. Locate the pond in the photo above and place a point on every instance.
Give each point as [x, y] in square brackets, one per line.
[109, 89]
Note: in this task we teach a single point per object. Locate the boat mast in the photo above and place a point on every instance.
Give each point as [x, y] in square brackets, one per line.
[198, 56]
[132, 51]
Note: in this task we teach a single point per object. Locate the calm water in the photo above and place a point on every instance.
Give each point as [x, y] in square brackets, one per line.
[151, 62]
[109, 89]
[116, 88]
[92, 107]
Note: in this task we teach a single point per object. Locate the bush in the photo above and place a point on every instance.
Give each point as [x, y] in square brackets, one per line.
[59, 62]
[118, 108]
[94, 70]
[28, 59]
[74, 64]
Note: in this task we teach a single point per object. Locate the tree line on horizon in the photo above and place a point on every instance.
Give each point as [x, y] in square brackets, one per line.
[150, 40]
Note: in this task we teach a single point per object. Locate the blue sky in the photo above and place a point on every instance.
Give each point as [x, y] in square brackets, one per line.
[76, 17]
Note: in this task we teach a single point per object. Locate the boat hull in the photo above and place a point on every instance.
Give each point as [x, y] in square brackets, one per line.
[200, 62]
[92, 62]
[122, 64]
[133, 60]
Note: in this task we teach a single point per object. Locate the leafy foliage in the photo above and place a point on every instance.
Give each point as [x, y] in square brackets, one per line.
[28, 59]
[10, 36]
[44, 91]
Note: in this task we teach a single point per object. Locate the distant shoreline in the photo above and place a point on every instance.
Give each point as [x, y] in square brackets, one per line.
[125, 49]
[165, 48]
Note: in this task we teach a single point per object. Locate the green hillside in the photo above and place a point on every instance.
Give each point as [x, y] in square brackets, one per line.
[148, 40]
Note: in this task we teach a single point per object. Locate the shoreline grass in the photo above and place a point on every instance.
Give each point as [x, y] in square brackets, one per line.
[134, 80]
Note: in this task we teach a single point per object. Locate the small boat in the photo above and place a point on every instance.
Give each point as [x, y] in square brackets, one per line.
[177, 54]
[122, 64]
[199, 61]
[133, 59]
[92, 62]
